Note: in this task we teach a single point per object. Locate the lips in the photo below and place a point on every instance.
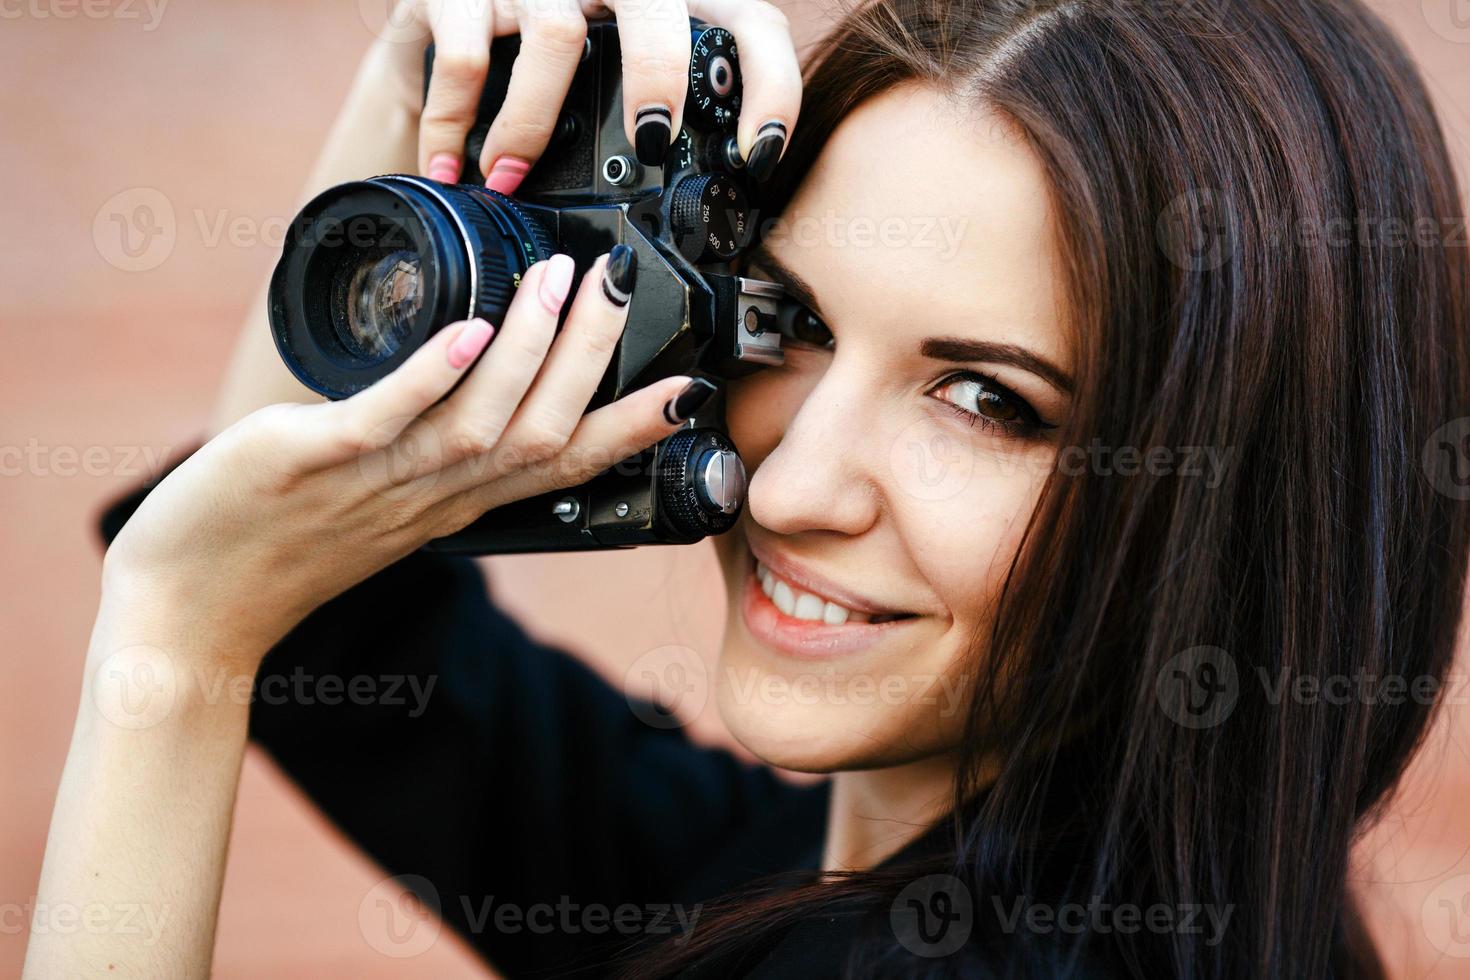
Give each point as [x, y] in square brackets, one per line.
[798, 603]
[795, 612]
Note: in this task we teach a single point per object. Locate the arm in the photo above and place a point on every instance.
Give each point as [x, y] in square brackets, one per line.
[143, 811]
[283, 511]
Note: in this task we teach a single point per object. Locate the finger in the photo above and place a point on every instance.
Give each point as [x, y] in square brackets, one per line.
[472, 420]
[771, 77]
[553, 33]
[579, 357]
[655, 41]
[462, 30]
[602, 439]
[376, 416]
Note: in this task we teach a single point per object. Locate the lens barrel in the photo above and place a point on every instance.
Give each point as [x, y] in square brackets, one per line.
[373, 269]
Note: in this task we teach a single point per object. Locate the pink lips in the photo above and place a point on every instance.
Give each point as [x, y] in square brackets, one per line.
[807, 639]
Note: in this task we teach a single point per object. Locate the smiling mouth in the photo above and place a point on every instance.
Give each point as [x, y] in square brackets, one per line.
[798, 603]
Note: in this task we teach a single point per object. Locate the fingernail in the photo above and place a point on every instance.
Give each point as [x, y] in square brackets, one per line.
[444, 167]
[473, 337]
[619, 274]
[770, 143]
[653, 130]
[556, 282]
[690, 399]
[506, 174]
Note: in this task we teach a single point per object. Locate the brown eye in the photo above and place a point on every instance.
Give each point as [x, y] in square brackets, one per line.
[986, 401]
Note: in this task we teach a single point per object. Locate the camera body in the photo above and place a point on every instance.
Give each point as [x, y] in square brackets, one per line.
[445, 252]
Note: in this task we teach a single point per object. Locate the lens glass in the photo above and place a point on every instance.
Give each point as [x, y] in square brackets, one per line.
[382, 298]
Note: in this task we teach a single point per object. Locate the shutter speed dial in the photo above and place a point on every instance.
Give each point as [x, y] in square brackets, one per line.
[709, 213]
[714, 77]
[701, 483]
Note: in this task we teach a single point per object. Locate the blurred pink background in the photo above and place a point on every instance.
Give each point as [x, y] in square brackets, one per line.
[217, 110]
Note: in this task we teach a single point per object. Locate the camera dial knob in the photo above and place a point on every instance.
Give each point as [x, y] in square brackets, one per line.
[714, 77]
[708, 214]
[701, 483]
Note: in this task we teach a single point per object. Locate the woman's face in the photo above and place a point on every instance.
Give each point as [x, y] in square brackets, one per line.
[894, 468]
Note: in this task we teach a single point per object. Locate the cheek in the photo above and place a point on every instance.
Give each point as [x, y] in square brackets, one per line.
[760, 406]
[964, 543]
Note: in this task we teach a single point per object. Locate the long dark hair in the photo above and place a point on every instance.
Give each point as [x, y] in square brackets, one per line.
[1259, 223]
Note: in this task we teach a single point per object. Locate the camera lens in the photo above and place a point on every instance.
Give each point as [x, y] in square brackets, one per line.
[383, 297]
[373, 269]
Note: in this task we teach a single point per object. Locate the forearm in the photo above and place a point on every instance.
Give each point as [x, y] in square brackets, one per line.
[374, 133]
[136, 852]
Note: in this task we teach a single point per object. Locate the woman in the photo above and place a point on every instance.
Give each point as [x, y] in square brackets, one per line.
[1167, 425]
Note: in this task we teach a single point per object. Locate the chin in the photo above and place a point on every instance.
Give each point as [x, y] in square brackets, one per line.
[811, 721]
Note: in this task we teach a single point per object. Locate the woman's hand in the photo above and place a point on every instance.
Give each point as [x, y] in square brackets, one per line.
[296, 503]
[655, 40]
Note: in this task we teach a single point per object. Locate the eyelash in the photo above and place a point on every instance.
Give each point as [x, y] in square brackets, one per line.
[1029, 423]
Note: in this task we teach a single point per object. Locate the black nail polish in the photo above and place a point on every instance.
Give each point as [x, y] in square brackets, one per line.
[770, 143]
[619, 274]
[691, 399]
[653, 131]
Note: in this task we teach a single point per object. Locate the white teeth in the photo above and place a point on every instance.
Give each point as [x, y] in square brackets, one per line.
[784, 598]
[808, 606]
[803, 605]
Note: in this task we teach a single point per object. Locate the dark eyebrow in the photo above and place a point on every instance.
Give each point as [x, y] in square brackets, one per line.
[794, 285]
[962, 349]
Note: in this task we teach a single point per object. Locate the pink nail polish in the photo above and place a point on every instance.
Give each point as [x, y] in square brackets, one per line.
[556, 282]
[506, 174]
[444, 167]
[473, 337]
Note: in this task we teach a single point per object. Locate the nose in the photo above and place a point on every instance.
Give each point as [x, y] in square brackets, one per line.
[817, 477]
